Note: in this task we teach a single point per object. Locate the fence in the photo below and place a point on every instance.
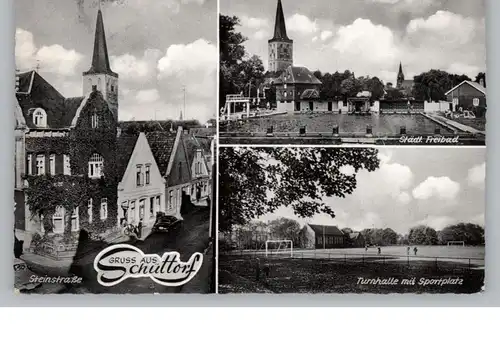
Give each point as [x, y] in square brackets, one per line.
[355, 258]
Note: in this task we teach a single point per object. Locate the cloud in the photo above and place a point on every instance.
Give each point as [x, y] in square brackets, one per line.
[253, 23]
[442, 188]
[362, 37]
[260, 34]
[388, 184]
[437, 222]
[301, 24]
[147, 95]
[198, 56]
[326, 34]
[477, 175]
[133, 68]
[52, 59]
[443, 26]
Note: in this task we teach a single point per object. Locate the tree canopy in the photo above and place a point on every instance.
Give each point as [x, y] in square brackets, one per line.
[237, 70]
[256, 181]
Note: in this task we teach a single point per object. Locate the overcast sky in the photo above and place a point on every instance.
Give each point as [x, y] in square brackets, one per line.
[371, 37]
[425, 185]
[156, 47]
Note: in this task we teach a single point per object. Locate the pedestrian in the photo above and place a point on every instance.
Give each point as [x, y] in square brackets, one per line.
[415, 250]
[366, 247]
[379, 250]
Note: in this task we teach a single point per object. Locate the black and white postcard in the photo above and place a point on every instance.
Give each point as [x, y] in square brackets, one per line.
[114, 149]
[351, 220]
[394, 72]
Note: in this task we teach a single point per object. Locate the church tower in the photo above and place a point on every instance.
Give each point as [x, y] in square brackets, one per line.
[280, 47]
[100, 76]
[401, 77]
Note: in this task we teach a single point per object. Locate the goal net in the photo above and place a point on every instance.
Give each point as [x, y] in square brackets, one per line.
[456, 243]
[279, 247]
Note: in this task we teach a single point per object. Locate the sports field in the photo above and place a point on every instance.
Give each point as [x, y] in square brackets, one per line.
[442, 253]
[339, 270]
[382, 124]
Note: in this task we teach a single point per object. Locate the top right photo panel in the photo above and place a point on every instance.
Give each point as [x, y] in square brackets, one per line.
[383, 72]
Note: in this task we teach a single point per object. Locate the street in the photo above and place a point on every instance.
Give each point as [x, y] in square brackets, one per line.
[191, 236]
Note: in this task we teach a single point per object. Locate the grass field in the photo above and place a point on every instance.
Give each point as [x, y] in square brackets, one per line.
[383, 125]
[340, 270]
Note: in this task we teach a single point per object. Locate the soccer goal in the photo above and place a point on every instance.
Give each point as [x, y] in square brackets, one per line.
[279, 247]
[457, 243]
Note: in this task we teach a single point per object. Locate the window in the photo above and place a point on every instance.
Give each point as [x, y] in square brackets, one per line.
[75, 220]
[67, 165]
[52, 164]
[141, 209]
[58, 219]
[475, 102]
[96, 166]
[152, 207]
[29, 165]
[40, 117]
[455, 100]
[132, 211]
[170, 199]
[89, 209]
[40, 164]
[104, 208]
[158, 209]
[148, 174]
[320, 240]
[138, 176]
[95, 121]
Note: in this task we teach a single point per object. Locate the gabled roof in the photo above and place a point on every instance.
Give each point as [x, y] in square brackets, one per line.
[100, 58]
[326, 229]
[298, 75]
[310, 94]
[125, 148]
[162, 146]
[35, 92]
[470, 83]
[280, 26]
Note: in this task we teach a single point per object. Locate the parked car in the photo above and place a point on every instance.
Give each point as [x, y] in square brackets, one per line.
[23, 276]
[165, 223]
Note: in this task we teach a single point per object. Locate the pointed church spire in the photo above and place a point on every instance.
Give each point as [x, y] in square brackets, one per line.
[279, 25]
[400, 68]
[100, 58]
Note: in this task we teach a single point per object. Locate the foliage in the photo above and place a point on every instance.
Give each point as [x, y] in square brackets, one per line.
[347, 231]
[285, 228]
[432, 85]
[256, 181]
[479, 77]
[422, 235]
[393, 94]
[471, 234]
[380, 237]
[46, 192]
[237, 70]
[136, 127]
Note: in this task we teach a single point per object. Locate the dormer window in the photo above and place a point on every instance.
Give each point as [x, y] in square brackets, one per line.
[40, 118]
[94, 121]
[96, 166]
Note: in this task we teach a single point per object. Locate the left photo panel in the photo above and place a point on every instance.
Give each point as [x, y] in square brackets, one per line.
[115, 135]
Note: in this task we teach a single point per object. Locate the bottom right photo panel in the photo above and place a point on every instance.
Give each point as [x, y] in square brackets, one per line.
[351, 220]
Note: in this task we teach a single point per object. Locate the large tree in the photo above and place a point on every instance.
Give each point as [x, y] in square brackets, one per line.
[471, 234]
[285, 228]
[422, 235]
[237, 69]
[255, 181]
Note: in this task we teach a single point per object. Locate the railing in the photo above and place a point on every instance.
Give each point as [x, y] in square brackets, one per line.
[367, 258]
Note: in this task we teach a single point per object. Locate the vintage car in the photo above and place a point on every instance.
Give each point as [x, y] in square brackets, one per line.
[165, 223]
